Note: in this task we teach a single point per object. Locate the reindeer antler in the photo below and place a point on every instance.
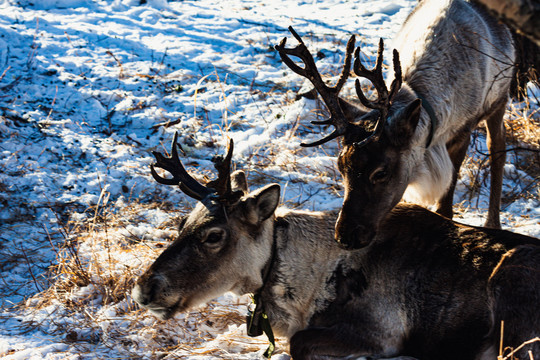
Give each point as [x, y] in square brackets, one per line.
[329, 94]
[223, 165]
[190, 186]
[384, 98]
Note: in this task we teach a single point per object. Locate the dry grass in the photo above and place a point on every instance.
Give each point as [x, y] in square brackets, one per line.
[88, 303]
[509, 353]
[522, 122]
[105, 236]
[523, 135]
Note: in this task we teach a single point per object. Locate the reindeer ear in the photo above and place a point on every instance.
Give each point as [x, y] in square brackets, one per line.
[239, 182]
[404, 124]
[260, 204]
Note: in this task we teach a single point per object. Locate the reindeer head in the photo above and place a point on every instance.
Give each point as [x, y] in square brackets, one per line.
[222, 245]
[376, 139]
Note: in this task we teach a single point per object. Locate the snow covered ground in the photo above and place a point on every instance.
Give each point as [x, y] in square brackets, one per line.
[89, 88]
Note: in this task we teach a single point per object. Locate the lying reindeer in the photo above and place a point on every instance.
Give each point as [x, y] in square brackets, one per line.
[457, 66]
[418, 290]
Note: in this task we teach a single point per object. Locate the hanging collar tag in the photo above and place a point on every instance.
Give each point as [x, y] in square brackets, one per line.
[256, 319]
[258, 323]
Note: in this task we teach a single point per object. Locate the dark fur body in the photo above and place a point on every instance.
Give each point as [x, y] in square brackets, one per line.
[511, 289]
[418, 290]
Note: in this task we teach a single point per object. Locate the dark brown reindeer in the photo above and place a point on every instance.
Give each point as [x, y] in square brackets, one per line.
[419, 290]
[453, 68]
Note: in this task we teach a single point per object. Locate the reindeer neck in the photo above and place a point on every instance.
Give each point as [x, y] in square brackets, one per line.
[305, 253]
[269, 266]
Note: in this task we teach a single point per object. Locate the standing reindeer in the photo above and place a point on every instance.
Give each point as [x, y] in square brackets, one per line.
[420, 290]
[453, 68]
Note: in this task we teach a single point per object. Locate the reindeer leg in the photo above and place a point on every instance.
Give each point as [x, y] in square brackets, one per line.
[497, 154]
[341, 341]
[457, 149]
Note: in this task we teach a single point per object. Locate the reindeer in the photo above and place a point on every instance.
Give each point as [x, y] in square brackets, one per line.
[453, 68]
[419, 290]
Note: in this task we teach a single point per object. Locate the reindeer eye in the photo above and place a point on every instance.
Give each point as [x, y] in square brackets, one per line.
[214, 237]
[378, 176]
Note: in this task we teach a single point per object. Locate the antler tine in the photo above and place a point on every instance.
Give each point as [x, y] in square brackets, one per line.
[329, 94]
[382, 106]
[398, 80]
[349, 49]
[173, 165]
[222, 184]
[375, 77]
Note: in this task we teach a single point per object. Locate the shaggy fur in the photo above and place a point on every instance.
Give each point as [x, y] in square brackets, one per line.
[461, 63]
[459, 60]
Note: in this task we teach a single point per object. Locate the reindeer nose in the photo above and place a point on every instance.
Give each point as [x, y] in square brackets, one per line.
[354, 237]
[140, 296]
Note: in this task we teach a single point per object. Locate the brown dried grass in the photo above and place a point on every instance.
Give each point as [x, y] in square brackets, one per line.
[105, 232]
[508, 353]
